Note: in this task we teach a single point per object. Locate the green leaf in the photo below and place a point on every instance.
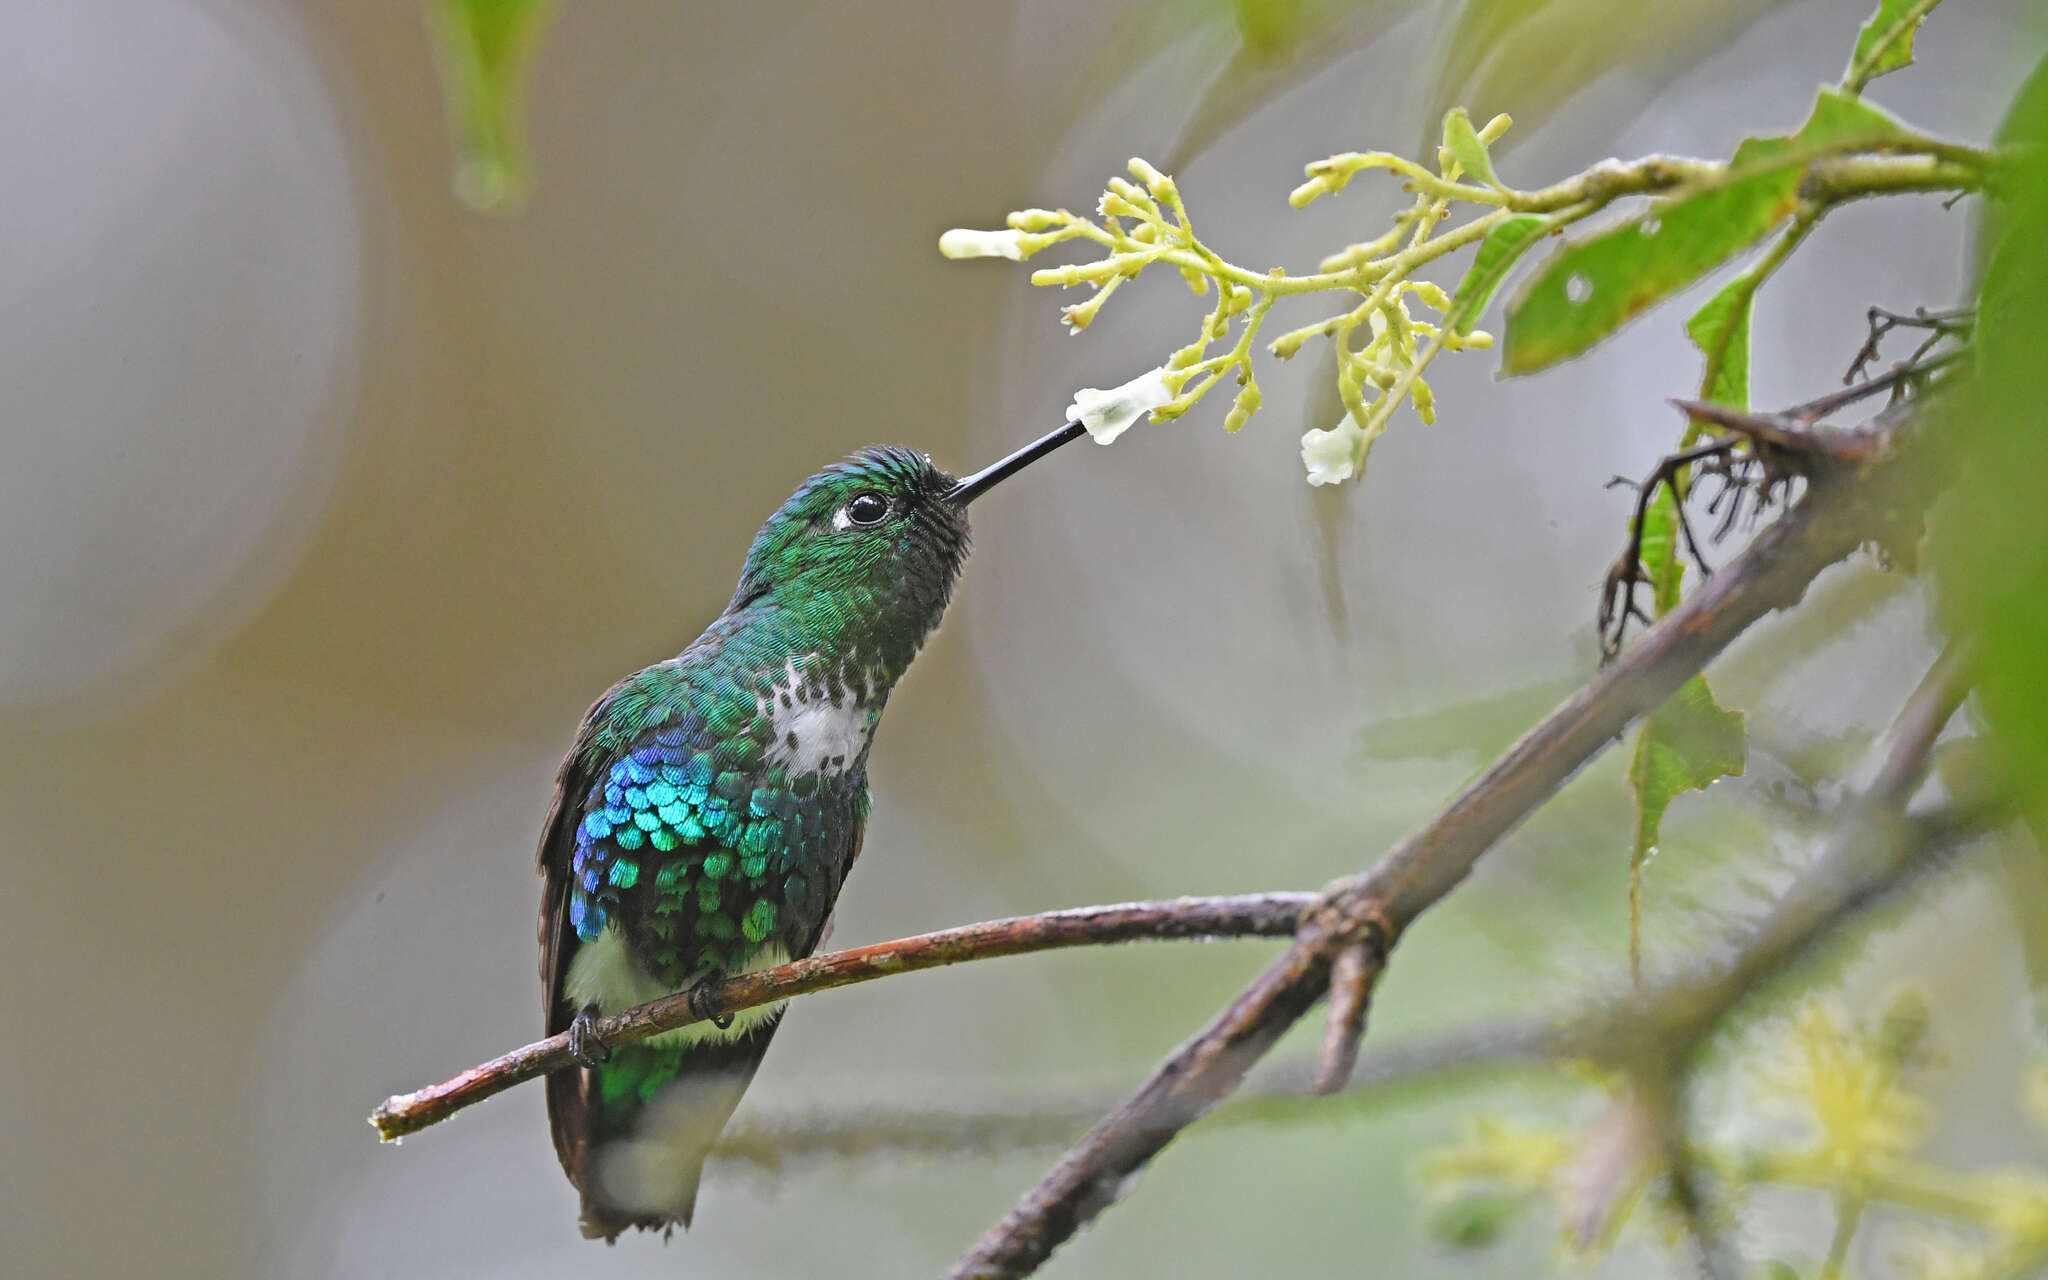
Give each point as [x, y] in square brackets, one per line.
[1498, 253]
[1660, 549]
[1684, 746]
[1990, 547]
[1587, 290]
[1886, 41]
[486, 49]
[1476, 1219]
[1721, 329]
[1690, 741]
[1838, 118]
[1462, 140]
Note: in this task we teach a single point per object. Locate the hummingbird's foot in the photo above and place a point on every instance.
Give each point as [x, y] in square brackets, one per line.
[700, 1006]
[584, 1044]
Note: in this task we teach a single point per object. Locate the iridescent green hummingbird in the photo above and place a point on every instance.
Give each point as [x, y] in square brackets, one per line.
[712, 805]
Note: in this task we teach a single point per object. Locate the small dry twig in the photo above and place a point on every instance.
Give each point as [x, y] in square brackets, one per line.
[1958, 323]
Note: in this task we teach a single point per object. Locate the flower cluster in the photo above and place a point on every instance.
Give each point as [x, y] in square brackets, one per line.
[1383, 348]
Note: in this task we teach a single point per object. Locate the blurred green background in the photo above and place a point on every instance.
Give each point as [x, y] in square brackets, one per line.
[329, 505]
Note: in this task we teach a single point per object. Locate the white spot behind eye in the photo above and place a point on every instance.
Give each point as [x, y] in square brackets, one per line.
[841, 520]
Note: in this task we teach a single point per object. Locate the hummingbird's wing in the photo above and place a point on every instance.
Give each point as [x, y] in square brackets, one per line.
[569, 1108]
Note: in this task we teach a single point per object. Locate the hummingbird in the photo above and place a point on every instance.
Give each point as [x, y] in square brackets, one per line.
[710, 809]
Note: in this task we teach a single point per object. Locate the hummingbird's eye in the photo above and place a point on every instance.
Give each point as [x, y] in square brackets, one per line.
[865, 510]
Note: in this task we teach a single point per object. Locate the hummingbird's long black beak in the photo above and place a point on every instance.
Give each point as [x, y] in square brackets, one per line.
[989, 477]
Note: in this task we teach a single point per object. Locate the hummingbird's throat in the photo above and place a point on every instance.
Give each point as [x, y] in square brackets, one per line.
[822, 724]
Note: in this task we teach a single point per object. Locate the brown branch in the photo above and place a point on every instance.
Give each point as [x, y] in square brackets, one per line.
[1839, 512]
[1612, 1026]
[1269, 915]
[1350, 997]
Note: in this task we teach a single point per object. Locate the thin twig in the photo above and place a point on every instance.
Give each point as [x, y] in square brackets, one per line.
[1828, 524]
[1956, 323]
[1618, 594]
[1246, 915]
[1350, 997]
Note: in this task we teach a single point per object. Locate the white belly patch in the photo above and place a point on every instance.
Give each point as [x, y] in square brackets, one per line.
[603, 974]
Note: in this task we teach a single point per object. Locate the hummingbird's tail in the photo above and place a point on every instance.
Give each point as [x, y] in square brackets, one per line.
[651, 1114]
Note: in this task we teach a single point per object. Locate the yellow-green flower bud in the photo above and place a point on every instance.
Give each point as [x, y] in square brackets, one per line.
[1113, 205]
[1432, 297]
[1081, 315]
[1038, 219]
[1093, 272]
[1132, 193]
[1287, 344]
[1156, 182]
[1241, 409]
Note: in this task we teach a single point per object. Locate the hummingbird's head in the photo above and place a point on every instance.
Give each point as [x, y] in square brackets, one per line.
[864, 554]
[873, 541]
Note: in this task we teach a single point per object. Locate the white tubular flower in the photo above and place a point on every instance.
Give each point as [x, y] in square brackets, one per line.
[1332, 456]
[1108, 414]
[964, 242]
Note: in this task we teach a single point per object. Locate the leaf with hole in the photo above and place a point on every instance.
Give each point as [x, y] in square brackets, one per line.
[1589, 289]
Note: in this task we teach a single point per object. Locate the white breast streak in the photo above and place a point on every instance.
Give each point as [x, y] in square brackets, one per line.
[814, 733]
